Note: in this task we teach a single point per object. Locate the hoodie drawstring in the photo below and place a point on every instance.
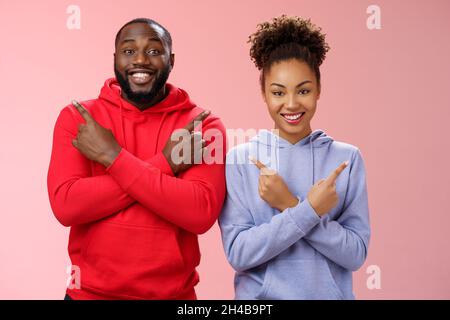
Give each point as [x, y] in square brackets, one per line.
[158, 132]
[312, 159]
[122, 130]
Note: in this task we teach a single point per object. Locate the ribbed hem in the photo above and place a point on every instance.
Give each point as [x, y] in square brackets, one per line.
[80, 294]
[126, 168]
[304, 216]
[159, 161]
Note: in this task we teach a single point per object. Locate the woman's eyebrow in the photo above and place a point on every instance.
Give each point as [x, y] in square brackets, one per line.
[303, 82]
[299, 85]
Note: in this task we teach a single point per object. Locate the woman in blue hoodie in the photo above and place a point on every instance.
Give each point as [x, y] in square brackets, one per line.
[295, 223]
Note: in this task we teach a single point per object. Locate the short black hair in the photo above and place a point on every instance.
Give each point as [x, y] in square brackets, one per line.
[285, 38]
[166, 34]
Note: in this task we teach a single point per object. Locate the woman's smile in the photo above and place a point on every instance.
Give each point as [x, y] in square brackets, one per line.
[292, 118]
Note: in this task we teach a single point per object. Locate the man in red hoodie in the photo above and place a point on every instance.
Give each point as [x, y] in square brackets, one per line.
[135, 211]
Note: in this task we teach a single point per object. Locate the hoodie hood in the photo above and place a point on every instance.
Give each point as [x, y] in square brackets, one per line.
[177, 99]
[279, 146]
[317, 138]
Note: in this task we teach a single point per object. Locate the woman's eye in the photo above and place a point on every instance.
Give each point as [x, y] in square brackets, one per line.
[304, 91]
[278, 93]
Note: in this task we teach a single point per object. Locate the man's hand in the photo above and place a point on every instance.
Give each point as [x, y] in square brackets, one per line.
[94, 141]
[273, 189]
[181, 161]
[323, 196]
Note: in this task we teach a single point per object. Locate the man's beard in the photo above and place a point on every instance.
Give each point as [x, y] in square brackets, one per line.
[143, 97]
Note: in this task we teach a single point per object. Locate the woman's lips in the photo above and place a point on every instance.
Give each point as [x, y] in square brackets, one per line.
[292, 118]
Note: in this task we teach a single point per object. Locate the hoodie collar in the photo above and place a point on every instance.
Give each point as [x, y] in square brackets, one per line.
[176, 100]
[318, 138]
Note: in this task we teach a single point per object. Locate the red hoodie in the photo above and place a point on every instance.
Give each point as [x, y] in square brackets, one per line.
[133, 224]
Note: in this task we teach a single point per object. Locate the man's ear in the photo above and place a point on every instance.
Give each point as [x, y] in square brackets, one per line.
[172, 59]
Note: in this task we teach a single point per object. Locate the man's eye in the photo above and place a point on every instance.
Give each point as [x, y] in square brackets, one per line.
[128, 52]
[153, 52]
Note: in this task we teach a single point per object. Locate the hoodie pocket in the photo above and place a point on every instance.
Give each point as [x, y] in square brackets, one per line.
[299, 280]
[131, 261]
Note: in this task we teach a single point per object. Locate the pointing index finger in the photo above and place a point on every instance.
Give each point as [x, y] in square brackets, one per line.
[335, 174]
[257, 163]
[202, 116]
[82, 110]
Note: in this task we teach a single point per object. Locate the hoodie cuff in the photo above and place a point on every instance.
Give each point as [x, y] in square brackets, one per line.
[159, 161]
[304, 216]
[126, 168]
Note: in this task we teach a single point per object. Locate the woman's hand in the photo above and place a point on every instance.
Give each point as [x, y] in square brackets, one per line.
[323, 196]
[273, 189]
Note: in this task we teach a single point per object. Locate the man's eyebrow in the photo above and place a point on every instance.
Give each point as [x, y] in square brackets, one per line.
[133, 40]
[299, 85]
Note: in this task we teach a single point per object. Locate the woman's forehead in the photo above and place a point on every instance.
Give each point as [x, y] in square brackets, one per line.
[290, 70]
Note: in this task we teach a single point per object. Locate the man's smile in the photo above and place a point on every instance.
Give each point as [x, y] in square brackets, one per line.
[140, 76]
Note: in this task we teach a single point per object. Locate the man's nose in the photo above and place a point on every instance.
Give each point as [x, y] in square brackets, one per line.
[141, 58]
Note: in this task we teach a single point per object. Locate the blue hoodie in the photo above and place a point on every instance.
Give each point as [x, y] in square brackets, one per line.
[295, 254]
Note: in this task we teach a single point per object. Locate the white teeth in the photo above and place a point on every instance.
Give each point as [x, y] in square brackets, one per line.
[293, 117]
[142, 75]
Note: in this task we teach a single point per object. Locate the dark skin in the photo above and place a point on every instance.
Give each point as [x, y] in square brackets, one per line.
[94, 141]
[142, 47]
[149, 52]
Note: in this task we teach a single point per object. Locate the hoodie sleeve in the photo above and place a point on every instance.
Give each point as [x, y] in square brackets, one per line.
[75, 196]
[248, 245]
[192, 200]
[345, 240]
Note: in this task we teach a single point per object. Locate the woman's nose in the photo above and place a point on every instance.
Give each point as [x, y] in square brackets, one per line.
[292, 102]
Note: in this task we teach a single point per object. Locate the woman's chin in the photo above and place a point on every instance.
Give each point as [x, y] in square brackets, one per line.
[292, 130]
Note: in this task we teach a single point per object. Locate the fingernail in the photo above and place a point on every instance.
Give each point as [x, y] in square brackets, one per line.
[346, 162]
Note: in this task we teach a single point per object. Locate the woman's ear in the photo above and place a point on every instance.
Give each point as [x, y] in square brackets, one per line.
[263, 95]
[262, 86]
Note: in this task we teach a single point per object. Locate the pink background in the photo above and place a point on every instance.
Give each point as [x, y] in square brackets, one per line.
[386, 91]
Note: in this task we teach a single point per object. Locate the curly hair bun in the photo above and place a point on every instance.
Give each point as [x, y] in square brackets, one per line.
[285, 30]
